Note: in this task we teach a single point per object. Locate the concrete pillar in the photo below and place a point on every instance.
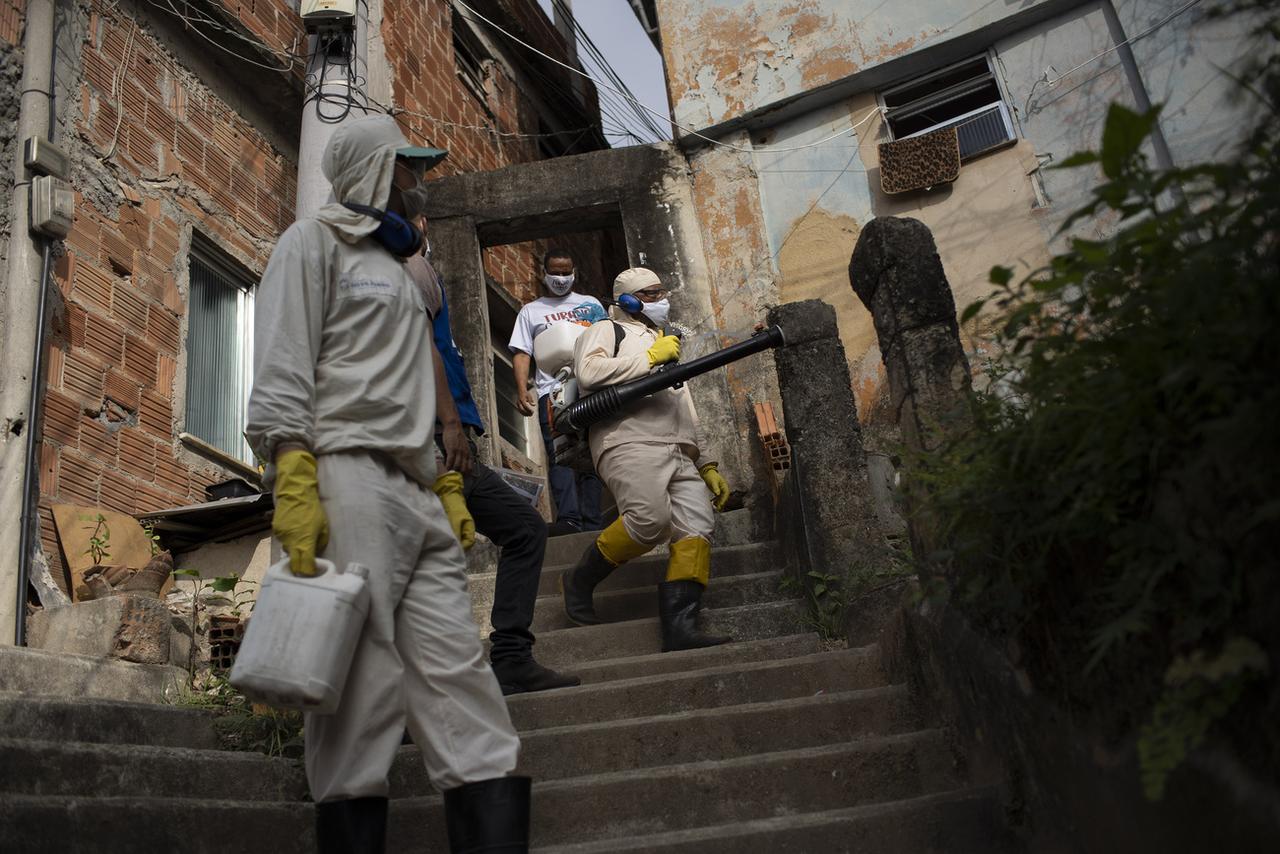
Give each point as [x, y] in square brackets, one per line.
[896, 272]
[20, 319]
[456, 254]
[828, 464]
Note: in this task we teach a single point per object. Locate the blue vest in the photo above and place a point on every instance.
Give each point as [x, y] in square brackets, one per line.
[454, 367]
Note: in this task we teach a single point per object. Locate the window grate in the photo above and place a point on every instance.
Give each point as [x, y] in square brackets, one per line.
[965, 96]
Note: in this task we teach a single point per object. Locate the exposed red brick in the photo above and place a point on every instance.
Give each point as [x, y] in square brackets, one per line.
[98, 442]
[138, 453]
[166, 372]
[82, 378]
[173, 475]
[77, 317]
[78, 479]
[48, 469]
[92, 284]
[129, 306]
[163, 327]
[151, 498]
[117, 493]
[117, 250]
[61, 418]
[123, 390]
[53, 368]
[140, 359]
[104, 338]
[156, 415]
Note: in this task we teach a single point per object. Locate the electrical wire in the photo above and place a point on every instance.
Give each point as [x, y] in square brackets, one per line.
[650, 110]
[1148, 31]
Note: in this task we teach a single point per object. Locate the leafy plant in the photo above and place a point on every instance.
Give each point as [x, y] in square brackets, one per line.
[1114, 505]
[153, 539]
[99, 541]
[826, 603]
[241, 592]
[242, 725]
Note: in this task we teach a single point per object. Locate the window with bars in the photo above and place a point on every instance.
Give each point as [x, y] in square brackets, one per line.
[965, 96]
[219, 350]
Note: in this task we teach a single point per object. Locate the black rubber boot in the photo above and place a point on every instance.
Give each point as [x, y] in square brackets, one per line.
[578, 584]
[353, 826]
[678, 605]
[489, 816]
[521, 677]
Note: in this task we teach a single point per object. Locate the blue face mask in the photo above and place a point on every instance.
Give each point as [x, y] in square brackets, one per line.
[396, 234]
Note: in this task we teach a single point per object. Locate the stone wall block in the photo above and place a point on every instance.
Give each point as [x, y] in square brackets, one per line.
[130, 628]
[929, 384]
[894, 270]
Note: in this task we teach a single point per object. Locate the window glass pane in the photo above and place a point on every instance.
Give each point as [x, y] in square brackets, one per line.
[215, 363]
[511, 423]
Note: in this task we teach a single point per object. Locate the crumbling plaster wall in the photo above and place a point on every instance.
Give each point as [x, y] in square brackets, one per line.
[812, 194]
[726, 58]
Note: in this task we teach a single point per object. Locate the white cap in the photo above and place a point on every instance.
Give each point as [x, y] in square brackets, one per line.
[634, 279]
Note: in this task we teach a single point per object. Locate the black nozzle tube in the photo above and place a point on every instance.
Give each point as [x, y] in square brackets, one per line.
[596, 407]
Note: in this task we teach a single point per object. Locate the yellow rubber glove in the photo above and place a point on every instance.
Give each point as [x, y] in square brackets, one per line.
[716, 483]
[665, 349]
[449, 487]
[299, 521]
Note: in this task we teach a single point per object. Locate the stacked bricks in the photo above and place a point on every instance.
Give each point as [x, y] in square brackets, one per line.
[11, 17]
[776, 450]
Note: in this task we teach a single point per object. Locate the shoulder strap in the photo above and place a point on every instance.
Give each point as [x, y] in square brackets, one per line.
[618, 334]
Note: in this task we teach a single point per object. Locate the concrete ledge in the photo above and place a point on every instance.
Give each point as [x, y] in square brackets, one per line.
[37, 671]
[131, 628]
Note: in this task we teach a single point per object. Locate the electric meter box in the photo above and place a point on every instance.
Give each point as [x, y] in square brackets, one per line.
[327, 16]
[53, 206]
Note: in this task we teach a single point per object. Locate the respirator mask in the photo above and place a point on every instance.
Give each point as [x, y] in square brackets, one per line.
[657, 312]
[558, 285]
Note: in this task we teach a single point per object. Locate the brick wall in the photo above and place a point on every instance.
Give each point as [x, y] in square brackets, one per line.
[159, 156]
[164, 157]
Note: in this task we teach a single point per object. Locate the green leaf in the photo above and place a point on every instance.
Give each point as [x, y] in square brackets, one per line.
[190, 573]
[1122, 137]
[972, 310]
[1080, 158]
[224, 583]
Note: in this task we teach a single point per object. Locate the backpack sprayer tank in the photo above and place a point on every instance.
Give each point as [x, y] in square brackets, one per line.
[585, 411]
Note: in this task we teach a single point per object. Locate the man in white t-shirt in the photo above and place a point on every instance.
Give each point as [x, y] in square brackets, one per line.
[577, 496]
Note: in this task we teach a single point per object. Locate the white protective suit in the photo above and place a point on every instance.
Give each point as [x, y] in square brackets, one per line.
[647, 455]
[342, 366]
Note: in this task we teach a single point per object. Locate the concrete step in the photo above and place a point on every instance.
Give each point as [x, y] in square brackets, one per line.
[697, 736]
[105, 722]
[568, 647]
[643, 572]
[59, 768]
[35, 671]
[956, 822]
[649, 801]
[732, 529]
[708, 688]
[617, 605]
[630, 667]
[43, 824]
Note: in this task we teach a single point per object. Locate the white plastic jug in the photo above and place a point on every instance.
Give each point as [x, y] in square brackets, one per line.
[298, 646]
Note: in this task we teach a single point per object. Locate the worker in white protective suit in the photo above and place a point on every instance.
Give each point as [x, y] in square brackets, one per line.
[343, 406]
[653, 461]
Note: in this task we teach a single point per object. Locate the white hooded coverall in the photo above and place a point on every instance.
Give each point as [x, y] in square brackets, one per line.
[648, 454]
[342, 366]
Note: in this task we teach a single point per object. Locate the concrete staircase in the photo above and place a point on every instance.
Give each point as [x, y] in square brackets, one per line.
[773, 743]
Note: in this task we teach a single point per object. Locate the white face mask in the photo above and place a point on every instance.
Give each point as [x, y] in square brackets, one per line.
[657, 312]
[558, 285]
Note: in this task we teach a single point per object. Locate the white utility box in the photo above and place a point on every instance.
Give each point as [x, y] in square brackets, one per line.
[53, 206]
[327, 16]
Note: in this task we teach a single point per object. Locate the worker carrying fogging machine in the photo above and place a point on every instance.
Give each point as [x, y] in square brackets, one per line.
[647, 447]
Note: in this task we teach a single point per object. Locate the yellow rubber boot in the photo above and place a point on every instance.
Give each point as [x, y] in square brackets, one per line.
[690, 561]
[616, 544]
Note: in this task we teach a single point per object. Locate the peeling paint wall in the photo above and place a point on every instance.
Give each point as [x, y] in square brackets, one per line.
[729, 57]
[782, 209]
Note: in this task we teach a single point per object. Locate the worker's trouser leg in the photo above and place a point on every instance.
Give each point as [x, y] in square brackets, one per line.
[515, 527]
[419, 662]
[661, 497]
